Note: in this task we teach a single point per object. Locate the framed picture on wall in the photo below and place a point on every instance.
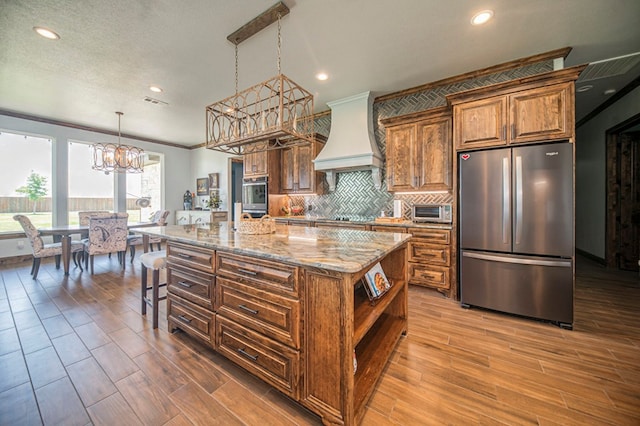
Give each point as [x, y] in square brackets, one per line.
[202, 186]
[213, 181]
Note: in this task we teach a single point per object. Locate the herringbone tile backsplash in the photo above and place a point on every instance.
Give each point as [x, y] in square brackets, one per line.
[355, 197]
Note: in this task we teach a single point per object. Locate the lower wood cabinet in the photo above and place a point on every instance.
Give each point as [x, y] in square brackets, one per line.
[341, 225]
[430, 259]
[286, 324]
[273, 362]
[275, 316]
[190, 318]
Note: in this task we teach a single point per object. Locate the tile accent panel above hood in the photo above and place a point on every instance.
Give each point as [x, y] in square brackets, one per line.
[351, 145]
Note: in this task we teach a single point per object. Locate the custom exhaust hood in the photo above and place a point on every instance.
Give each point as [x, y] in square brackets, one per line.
[351, 145]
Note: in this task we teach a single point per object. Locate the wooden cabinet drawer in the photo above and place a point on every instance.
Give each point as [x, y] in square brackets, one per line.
[305, 223]
[192, 257]
[334, 225]
[275, 316]
[429, 275]
[190, 318]
[383, 228]
[218, 216]
[191, 284]
[434, 254]
[271, 361]
[268, 275]
[432, 236]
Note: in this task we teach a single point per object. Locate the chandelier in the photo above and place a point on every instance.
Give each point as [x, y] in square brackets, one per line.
[270, 115]
[108, 157]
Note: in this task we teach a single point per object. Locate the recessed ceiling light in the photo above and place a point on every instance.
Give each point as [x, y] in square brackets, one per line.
[155, 89]
[481, 17]
[46, 33]
[584, 88]
[609, 92]
[322, 76]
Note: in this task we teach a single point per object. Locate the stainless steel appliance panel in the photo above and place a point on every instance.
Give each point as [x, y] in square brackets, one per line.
[536, 287]
[255, 196]
[485, 202]
[543, 199]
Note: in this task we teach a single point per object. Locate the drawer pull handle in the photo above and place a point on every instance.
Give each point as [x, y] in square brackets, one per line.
[245, 308]
[185, 284]
[185, 319]
[242, 352]
[244, 271]
[184, 256]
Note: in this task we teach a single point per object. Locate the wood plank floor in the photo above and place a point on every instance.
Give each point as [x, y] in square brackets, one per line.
[75, 351]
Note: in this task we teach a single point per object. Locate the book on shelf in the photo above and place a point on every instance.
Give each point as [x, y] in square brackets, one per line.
[375, 282]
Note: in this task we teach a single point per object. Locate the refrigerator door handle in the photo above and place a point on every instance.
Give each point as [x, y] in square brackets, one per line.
[506, 196]
[519, 261]
[519, 195]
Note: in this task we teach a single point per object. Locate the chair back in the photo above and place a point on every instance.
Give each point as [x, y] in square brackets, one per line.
[160, 217]
[83, 217]
[31, 232]
[107, 233]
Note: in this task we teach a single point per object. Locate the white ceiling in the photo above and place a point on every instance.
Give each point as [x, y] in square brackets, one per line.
[110, 51]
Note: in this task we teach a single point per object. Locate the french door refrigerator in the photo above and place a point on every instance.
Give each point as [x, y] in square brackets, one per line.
[516, 231]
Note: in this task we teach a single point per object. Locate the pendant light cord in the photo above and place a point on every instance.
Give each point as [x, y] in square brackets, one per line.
[119, 116]
[279, 44]
[236, 69]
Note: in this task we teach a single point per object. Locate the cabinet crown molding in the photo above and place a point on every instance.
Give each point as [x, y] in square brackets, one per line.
[534, 81]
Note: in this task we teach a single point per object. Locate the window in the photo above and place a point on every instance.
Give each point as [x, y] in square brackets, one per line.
[25, 186]
[144, 190]
[88, 188]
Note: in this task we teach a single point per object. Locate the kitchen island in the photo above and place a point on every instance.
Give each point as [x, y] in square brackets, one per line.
[289, 307]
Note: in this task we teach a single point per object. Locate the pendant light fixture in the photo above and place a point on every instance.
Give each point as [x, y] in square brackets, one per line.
[270, 115]
[108, 157]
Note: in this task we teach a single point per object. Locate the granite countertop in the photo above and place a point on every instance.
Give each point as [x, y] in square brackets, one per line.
[341, 250]
[402, 224]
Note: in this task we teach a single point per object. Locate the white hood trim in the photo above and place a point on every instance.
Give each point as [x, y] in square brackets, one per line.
[351, 145]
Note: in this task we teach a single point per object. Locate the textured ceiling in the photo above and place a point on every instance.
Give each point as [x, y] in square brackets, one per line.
[110, 51]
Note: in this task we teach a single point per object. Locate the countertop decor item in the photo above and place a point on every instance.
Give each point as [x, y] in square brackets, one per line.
[214, 200]
[249, 225]
[108, 157]
[277, 111]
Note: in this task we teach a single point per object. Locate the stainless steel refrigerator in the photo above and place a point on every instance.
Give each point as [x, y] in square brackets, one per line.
[516, 231]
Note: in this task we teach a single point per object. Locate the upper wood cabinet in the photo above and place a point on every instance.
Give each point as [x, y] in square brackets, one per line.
[545, 113]
[419, 151]
[256, 163]
[480, 123]
[263, 163]
[297, 174]
[533, 109]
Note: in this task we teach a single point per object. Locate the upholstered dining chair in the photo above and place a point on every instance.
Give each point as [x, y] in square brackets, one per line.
[40, 249]
[83, 218]
[160, 219]
[107, 234]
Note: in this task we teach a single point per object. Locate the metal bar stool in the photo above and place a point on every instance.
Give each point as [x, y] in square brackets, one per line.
[155, 261]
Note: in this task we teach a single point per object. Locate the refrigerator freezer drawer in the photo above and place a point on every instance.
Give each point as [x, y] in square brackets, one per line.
[523, 285]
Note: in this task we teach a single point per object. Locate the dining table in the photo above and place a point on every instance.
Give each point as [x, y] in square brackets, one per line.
[63, 233]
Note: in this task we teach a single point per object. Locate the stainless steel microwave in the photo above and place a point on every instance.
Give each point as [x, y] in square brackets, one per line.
[437, 213]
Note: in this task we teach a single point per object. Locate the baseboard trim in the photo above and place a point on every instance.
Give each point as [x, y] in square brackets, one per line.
[15, 259]
[591, 257]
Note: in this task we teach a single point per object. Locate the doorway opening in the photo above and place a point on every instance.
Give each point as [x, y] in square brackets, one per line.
[235, 183]
[622, 249]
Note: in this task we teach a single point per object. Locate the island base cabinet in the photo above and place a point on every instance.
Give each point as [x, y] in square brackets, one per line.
[271, 361]
[190, 318]
[341, 322]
